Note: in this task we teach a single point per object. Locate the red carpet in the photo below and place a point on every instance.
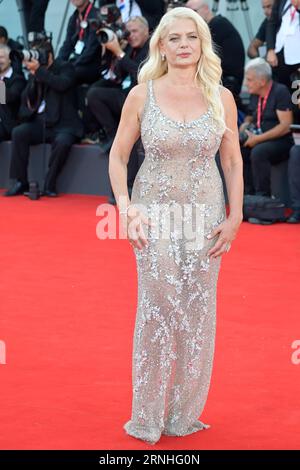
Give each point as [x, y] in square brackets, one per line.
[67, 311]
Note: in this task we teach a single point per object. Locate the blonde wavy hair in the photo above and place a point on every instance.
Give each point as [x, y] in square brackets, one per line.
[208, 73]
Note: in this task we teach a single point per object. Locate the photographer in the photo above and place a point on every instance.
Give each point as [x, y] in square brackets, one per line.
[268, 139]
[151, 10]
[106, 97]
[14, 85]
[128, 8]
[230, 46]
[14, 46]
[81, 45]
[49, 112]
[260, 37]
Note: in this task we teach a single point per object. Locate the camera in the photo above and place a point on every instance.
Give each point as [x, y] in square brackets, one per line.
[40, 48]
[243, 136]
[174, 3]
[107, 25]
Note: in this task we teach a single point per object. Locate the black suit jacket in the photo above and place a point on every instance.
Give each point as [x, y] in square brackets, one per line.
[92, 50]
[152, 10]
[274, 23]
[56, 85]
[130, 63]
[9, 111]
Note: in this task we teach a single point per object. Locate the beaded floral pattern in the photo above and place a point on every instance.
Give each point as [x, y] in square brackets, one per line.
[174, 334]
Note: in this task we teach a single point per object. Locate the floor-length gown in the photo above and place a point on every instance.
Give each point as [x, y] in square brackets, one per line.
[174, 336]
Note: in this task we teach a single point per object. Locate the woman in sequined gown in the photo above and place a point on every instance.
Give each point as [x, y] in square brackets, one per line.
[182, 123]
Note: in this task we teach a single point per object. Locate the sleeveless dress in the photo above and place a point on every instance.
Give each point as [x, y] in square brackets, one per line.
[174, 335]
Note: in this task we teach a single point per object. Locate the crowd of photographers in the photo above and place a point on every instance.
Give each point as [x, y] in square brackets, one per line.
[78, 95]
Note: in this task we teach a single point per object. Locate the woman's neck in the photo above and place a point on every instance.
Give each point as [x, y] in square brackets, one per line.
[181, 77]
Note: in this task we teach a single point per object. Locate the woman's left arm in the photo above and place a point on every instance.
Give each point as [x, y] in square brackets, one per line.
[232, 166]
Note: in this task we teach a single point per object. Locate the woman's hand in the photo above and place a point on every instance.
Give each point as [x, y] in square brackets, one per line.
[227, 230]
[135, 231]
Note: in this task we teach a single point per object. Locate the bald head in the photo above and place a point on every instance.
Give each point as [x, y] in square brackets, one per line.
[201, 7]
[267, 7]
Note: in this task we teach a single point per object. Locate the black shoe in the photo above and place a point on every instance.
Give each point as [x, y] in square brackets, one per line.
[49, 193]
[112, 200]
[254, 220]
[17, 189]
[92, 138]
[105, 145]
[294, 218]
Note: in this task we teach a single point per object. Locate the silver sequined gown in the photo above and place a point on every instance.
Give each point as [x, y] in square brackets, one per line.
[174, 334]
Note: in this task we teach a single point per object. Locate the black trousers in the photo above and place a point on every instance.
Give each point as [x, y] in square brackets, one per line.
[34, 11]
[4, 135]
[282, 73]
[105, 100]
[258, 161]
[294, 176]
[31, 133]
[87, 73]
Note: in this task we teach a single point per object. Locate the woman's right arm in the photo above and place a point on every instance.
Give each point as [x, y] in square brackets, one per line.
[127, 134]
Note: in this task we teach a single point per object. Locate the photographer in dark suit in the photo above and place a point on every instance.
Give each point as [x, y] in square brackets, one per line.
[81, 45]
[268, 139]
[106, 97]
[152, 10]
[14, 85]
[49, 112]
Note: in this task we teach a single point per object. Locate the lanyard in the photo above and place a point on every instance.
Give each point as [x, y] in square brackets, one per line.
[81, 32]
[293, 13]
[261, 107]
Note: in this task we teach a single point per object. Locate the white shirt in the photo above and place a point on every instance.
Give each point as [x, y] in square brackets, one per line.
[7, 74]
[288, 37]
[124, 6]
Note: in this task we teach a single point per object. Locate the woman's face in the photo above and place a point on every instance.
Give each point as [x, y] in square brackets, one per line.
[181, 43]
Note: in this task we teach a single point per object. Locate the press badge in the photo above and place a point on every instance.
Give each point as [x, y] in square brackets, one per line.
[79, 47]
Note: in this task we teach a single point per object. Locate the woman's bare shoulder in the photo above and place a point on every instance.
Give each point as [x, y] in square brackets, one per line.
[226, 96]
[138, 92]
[137, 97]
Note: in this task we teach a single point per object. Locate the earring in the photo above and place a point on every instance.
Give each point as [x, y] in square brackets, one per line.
[163, 57]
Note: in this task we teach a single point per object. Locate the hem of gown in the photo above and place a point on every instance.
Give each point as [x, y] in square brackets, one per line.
[196, 426]
[152, 436]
